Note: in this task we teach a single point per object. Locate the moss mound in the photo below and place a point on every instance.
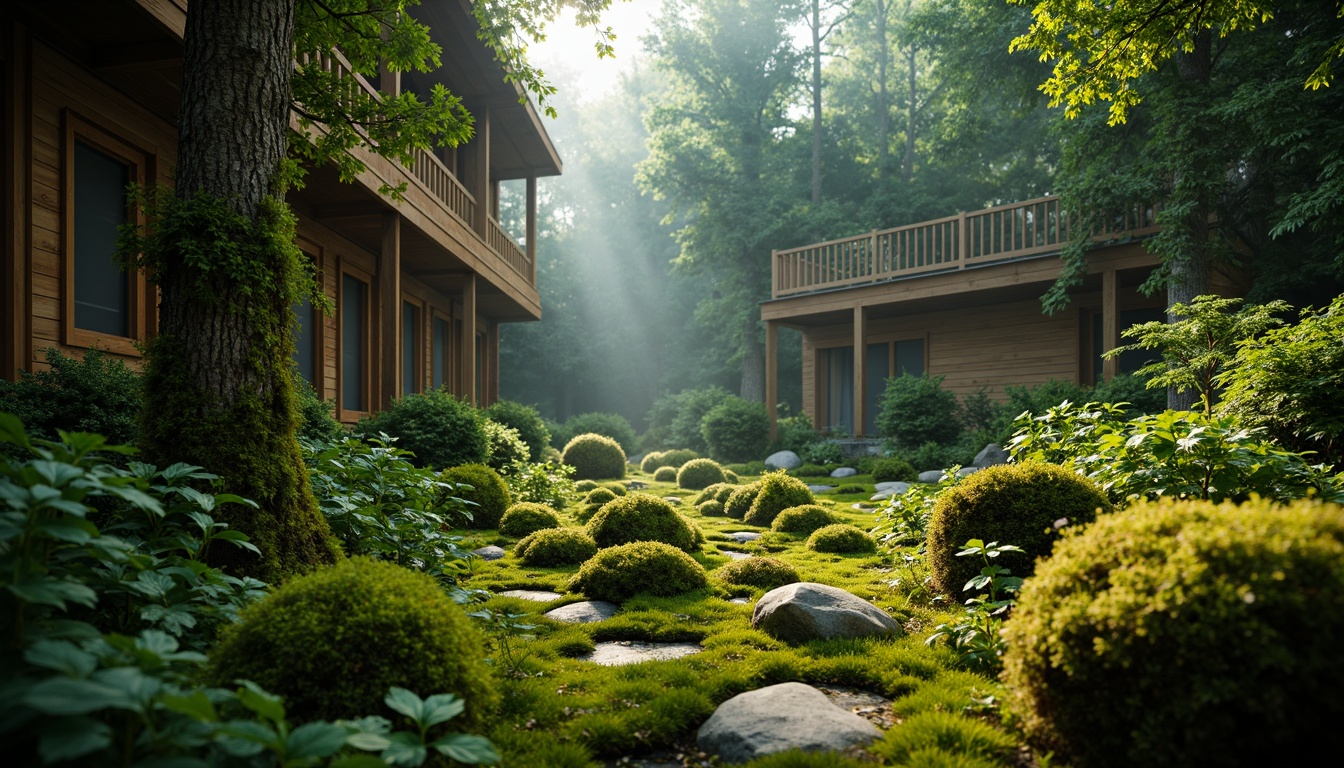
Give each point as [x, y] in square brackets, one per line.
[593, 502]
[1011, 504]
[584, 486]
[488, 492]
[711, 508]
[645, 567]
[617, 488]
[763, 572]
[554, 547]
[699, 473]
[740, 500]
[334, 641]
[641, 517]
[665, 475]
[1184, 633]
[778, 493]
[803, 520]
[716, 492]
[652, 462]
[594, 457]
[891, 470]
[527, 517]
[840, 539]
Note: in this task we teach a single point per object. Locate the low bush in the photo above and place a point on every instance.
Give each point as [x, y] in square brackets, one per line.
[822, 452]
[612, 425]
[731, 476]
[677, 457]
[440, 430]
[935, 739]
[674, 420]
[747, 469]
[505, 451]
[96, 393]
[762, 572]
[716, 492]
[545, 483]
[840, 539]
[851, 488]
[931, 455]
[652, 462]
[892, 470]
[1015, 504]
[584, 486]
[740, 500]
[640, 517]
[1185, 633]
[778, 492]
[317, 420]
[915, 410]
[312, 641]
[594, 457]
[522, 519]
[488, 493]
[803, 520]
[526, 420]
[711, 508]
[555, 547]
[617, 488]
[665, 475]
[698, 474]
[736, 430]
[645, 567]
[809, 470]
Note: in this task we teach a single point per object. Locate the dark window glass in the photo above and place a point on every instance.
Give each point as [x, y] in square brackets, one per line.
[410, 333]
[1133, 359]
[440, 362]
[839, 388]
[876, 371]
[353, 300]
[305, 340]
[102, 289]
[910, 357]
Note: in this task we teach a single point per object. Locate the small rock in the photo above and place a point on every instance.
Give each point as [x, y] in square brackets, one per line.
[990, 455]
[796, 613]
[739, 600]
[734, 555]
[783, 460]
[964, 471]
[820, 488]
[845, 472]
[622, 652]
[584, 613]
[779, 718]
[489, 553]
[534, 595]
[931, 476]
[892, 485]
[673, 500]
[863, 506]
[742, 537]
[636, 485]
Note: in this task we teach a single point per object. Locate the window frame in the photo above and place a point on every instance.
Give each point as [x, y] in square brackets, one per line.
[418, 366]
[346, 414]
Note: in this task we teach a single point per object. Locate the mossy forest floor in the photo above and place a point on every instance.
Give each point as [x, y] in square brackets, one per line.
[558, 710]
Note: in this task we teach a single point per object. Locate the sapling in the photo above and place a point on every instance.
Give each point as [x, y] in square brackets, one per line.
[977, 637]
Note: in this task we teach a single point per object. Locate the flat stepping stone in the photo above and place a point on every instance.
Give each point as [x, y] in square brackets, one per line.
[892, 489]
[863, 506]
[742, 537]
[740, 600]
[778, 718]
[535, 595]
[887, 485]
[674, 500]
[820, 488]
[622, 652]
[586, 612]
[489, 553]
[636, 485]
[734, 555]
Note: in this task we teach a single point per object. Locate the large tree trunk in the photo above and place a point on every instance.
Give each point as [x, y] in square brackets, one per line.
[912, 107]
[883, 101]
[816, 102]
[218, 384]
[753, 371]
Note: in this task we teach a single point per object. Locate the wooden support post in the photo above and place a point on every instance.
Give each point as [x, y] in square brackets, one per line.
[772, 377]
[860, 371]
[1110, 323]
[16, 276]
[963, 240]
[480, 168]
[466, 350]
[531, 233]
[388, 356]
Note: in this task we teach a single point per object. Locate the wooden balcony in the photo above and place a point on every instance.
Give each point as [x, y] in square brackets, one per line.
[993, 235]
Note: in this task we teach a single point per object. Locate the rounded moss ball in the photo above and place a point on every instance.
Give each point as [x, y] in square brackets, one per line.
[711, 508]
[334, 641]
[699, 473]
[593, 502]
[665, 475]
[652, 462]
[840, 539]
[763, 572]
[487, 491]
[584, 486]
[1016, 504]
[1185, 633]
[712, 493]
[617, 488]
[731, 477]
[677, 457]
[889, 470]
[644, 567]
[641, 517]
[527, 517]
[803, 520]
[594, 457]
[554, 547]
[810, 470]
[778, 493]
[740, 500]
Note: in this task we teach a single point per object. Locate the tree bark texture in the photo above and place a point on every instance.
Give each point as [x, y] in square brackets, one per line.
[816, 102]
[883, 100]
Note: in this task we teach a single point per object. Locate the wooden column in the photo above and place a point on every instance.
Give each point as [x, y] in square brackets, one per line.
[860, 370]
[466, 349]
[388, 356]
[15, 276]
[531, 233]
[1110, 322]
[480, 169]
[772, 377]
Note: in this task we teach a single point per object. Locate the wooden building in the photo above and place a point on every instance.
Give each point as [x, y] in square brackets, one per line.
[91, 89]
[957, 297]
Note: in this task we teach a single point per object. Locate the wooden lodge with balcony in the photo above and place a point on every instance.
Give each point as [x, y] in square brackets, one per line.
[958, 297]
[421, 287]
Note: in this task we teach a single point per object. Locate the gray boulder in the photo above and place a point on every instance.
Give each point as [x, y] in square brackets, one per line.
[964, 471]
[586, 612]
[820, 488]
[890, 484]
[797, 613]
[990, 455]
[931, 476]
[845, 472]
[892, 489]
[779, 718]
[783, 460]
[489, 553]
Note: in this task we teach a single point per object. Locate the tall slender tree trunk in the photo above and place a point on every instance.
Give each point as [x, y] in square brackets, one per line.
[883, 99]
[218, 384]
[911, 115]
[816, 102]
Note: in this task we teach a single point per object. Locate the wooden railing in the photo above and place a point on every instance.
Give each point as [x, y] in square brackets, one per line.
[1002, 233]
[500, 242]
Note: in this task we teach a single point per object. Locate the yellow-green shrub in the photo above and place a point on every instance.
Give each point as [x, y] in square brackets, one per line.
[527, 517]
[552, 547]
[645, 567]
[763, 572]
[699, 473]
[778, 493]
[715, 492]
[641, 517]
[804, 519]
[711, 508]
[594, 457]
[488, 491]
[665, 475]
[840, 538]
[741, 499]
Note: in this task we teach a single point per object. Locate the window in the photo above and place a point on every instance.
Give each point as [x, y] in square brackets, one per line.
[883, 360]
[440, 352]
[305, 340]
[354, 342]
[410, 348]
[838, 364]
[1134, 359]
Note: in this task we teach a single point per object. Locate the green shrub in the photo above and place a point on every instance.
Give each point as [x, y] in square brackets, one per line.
[840, 538]
[334, 641]
[892, 470]
[595, 457]
[736, 430]
[617, 488]
[612, 425]
[822, 452]
[916, 409]
[805, 519]
[762, 572]
[794, 433]
[1184, 633]
[593, 502]
[96, 394]
[1127, 388]
[665, 475]
[555, 547]
[641, 517]
[439, 429]
[545, 483]
[715, 492]
[935, 739]
[851, 488]
[674, 420]
[740, 501]
[652, 462]
[316, 416]
[488, 492]
[733, 479]
[778, 493]
[711, 508]
[697, 474]
[676, 458]
[505, 451]
[933, 455]
[524, 418]
[522, 519]
[1015, 504]
[809, 470]
[644, 567]
[749, 468]
[584, 486]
